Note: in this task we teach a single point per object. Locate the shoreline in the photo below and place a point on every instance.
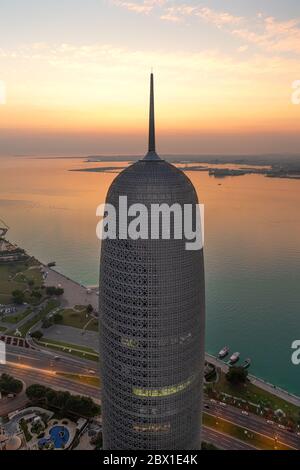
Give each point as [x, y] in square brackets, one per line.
[76, 293]
[259, 382]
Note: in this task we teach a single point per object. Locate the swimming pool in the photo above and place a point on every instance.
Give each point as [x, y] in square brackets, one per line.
[59, 435]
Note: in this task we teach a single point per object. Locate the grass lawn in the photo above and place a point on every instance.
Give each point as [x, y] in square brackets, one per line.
[16, 276]
[5, 298]
[7, 286]
[33, 273]
[51, 304]
[256, 395]
[250, 437]
[79, 351]
[93, 325]
[78, 319]
[79, 307]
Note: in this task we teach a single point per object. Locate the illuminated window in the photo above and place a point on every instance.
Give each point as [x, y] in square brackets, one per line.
[129, 343]
[162, 392]
[152, 427]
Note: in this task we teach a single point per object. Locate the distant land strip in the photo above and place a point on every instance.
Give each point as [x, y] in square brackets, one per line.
[270, 172]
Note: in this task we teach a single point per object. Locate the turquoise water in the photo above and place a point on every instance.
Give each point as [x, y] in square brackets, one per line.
[59, 435]
[252, 250]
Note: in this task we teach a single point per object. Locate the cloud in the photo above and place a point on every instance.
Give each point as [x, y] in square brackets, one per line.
[272, 35]
[243, 48]
[181, 12]
[97, 57]
[218, 18]
[144, 6]
[265, 32]
[171, 14]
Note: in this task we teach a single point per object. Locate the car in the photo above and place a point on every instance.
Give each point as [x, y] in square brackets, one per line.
[213, 401]
[206, 406]
[92, 371]
[269, 421]
[281, 426]
[222, 403]
[244, 412]
[57, 358]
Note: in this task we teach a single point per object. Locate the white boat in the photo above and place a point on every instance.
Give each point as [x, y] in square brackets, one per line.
[234, 358]
[223, 353]
[246, 363]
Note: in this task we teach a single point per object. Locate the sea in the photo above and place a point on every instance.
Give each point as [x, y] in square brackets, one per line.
[252, 248]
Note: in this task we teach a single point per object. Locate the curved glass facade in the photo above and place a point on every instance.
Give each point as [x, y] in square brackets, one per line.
[151, 324]
[151, 319]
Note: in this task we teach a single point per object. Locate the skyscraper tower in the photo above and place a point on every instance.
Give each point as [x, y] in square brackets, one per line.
[152, 319]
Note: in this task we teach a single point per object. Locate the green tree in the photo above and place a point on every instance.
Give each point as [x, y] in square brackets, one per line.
[57, 317]
[90, 308]
[18, 296]
[37, 294]
[46, 323]
[9, 384]
[36, 392]
[62, 400]
[59, 291]
[52, 290]
[37, 334]
[237, 375]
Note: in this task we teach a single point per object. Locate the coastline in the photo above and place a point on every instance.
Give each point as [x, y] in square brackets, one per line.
[76, 293]
[259, 382]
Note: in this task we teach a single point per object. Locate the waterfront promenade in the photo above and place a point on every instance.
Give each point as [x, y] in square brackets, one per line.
[74, 293]
[279, 392]
[77, 294]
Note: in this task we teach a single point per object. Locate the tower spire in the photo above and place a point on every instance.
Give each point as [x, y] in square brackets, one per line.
[151, 155]
[151, 117]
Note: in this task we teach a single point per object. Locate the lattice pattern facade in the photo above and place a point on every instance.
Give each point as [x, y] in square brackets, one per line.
[151, 324]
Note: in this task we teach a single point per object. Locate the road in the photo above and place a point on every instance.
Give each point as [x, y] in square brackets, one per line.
[33, 366]
[253, 423]
[40, 367]
[223, 441]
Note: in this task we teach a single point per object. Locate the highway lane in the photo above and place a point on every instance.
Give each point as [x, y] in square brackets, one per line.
[223, 441]
[253, 423]
[45, 359]
[49, 378]
[34, 366]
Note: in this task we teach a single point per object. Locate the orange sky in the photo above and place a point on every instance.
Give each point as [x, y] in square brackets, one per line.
[236, 84]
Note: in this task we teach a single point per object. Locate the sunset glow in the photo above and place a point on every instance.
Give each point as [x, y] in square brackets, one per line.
[218, 71]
